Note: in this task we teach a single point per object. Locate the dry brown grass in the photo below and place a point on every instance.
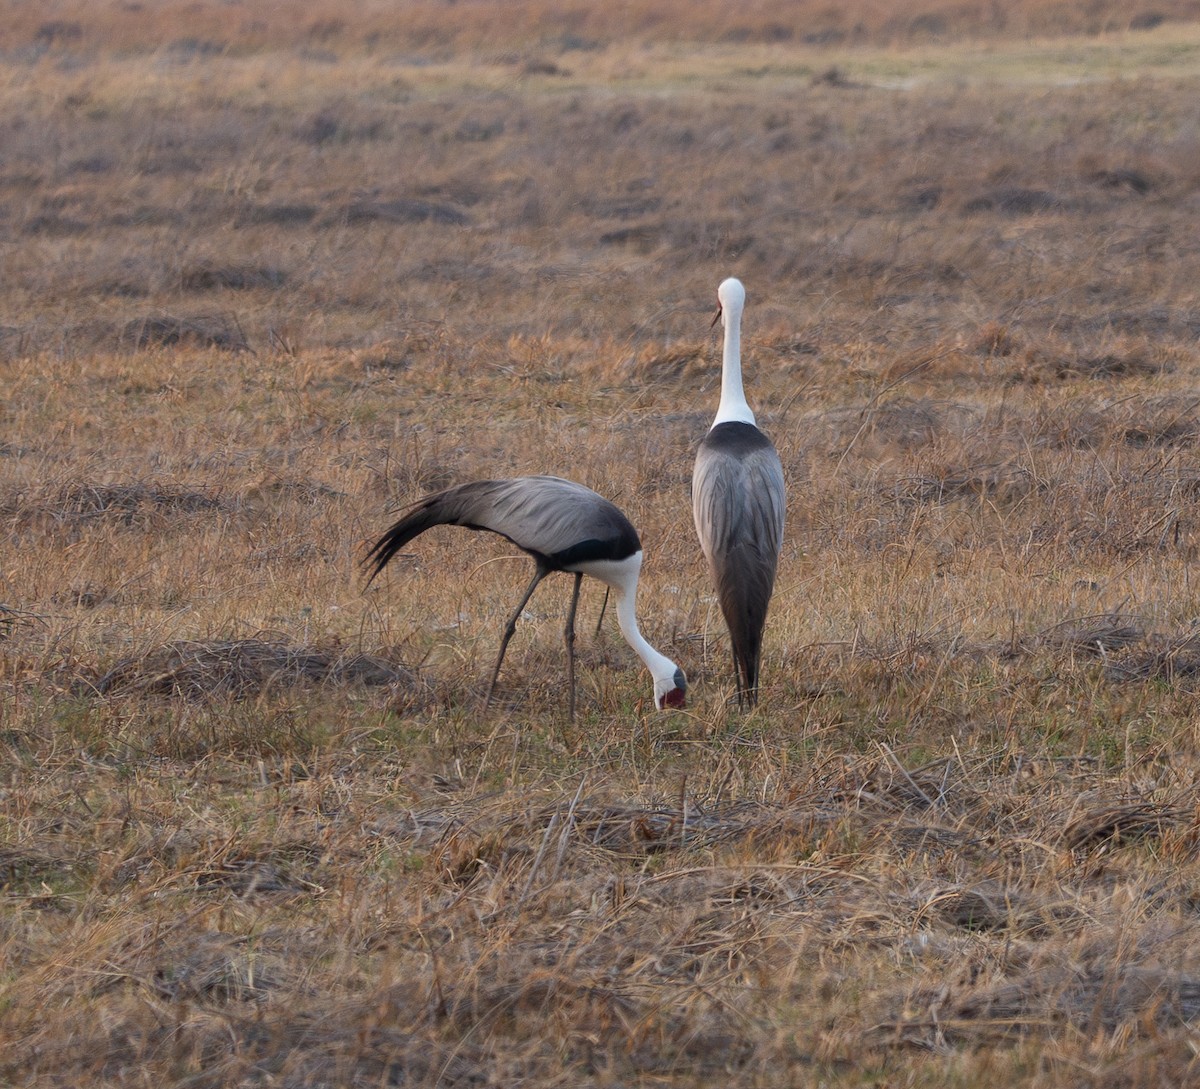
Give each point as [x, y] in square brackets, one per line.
[267, 280]
[570, 26]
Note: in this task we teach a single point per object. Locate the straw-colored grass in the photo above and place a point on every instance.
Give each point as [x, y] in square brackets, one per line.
[267, 280]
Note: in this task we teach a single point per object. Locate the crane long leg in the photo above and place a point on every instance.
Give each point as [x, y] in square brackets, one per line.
[603, 607]
[569, 636]
[511, 627]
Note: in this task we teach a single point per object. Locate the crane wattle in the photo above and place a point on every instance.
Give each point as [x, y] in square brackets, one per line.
[675, 698]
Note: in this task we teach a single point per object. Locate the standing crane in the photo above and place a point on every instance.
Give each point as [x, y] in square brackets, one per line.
[738, 501]
[564, 527]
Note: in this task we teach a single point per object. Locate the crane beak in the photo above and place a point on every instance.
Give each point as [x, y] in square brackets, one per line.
[716, 316]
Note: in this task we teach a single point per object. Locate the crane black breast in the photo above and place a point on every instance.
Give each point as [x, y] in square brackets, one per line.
[619, 547]
[736, 438]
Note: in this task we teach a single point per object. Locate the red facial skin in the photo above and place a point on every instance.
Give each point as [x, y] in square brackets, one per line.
[675, 698]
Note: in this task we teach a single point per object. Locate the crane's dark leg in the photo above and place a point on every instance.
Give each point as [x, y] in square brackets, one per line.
[539, 574]
[569, 636]
[602, 608]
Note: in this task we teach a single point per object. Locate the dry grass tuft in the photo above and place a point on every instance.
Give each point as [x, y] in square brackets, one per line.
[997, 483]
[1095, 634]
[1174, 660]
[208, 276]
[241, 668]
[200, 330]
[680, 363]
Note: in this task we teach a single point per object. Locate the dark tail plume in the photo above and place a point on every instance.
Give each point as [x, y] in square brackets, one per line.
[744, 591]
[469, 505]
[441, 509]
[415, 521]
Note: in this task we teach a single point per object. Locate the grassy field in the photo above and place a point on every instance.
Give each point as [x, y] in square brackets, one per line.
[268, 279]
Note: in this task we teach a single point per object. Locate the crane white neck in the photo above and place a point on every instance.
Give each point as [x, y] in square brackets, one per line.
[622, 576]
[733, 407]
[662, 669]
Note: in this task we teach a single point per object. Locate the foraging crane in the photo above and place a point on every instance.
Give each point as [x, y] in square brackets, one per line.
[738, 501]
[564, 527]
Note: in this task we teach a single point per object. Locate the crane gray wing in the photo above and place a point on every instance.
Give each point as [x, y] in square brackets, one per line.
[560, 520]
[738, 502]
[557, 521]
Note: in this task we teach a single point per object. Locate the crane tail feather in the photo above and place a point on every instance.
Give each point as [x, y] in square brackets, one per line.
[744, 584]
[415, 521]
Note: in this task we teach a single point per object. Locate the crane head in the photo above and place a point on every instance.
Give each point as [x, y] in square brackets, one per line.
[731, 295]
[671, 692]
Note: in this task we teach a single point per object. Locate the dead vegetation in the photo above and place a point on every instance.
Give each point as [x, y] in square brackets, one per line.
[239, 668]
[268, 279]
[541, 39]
